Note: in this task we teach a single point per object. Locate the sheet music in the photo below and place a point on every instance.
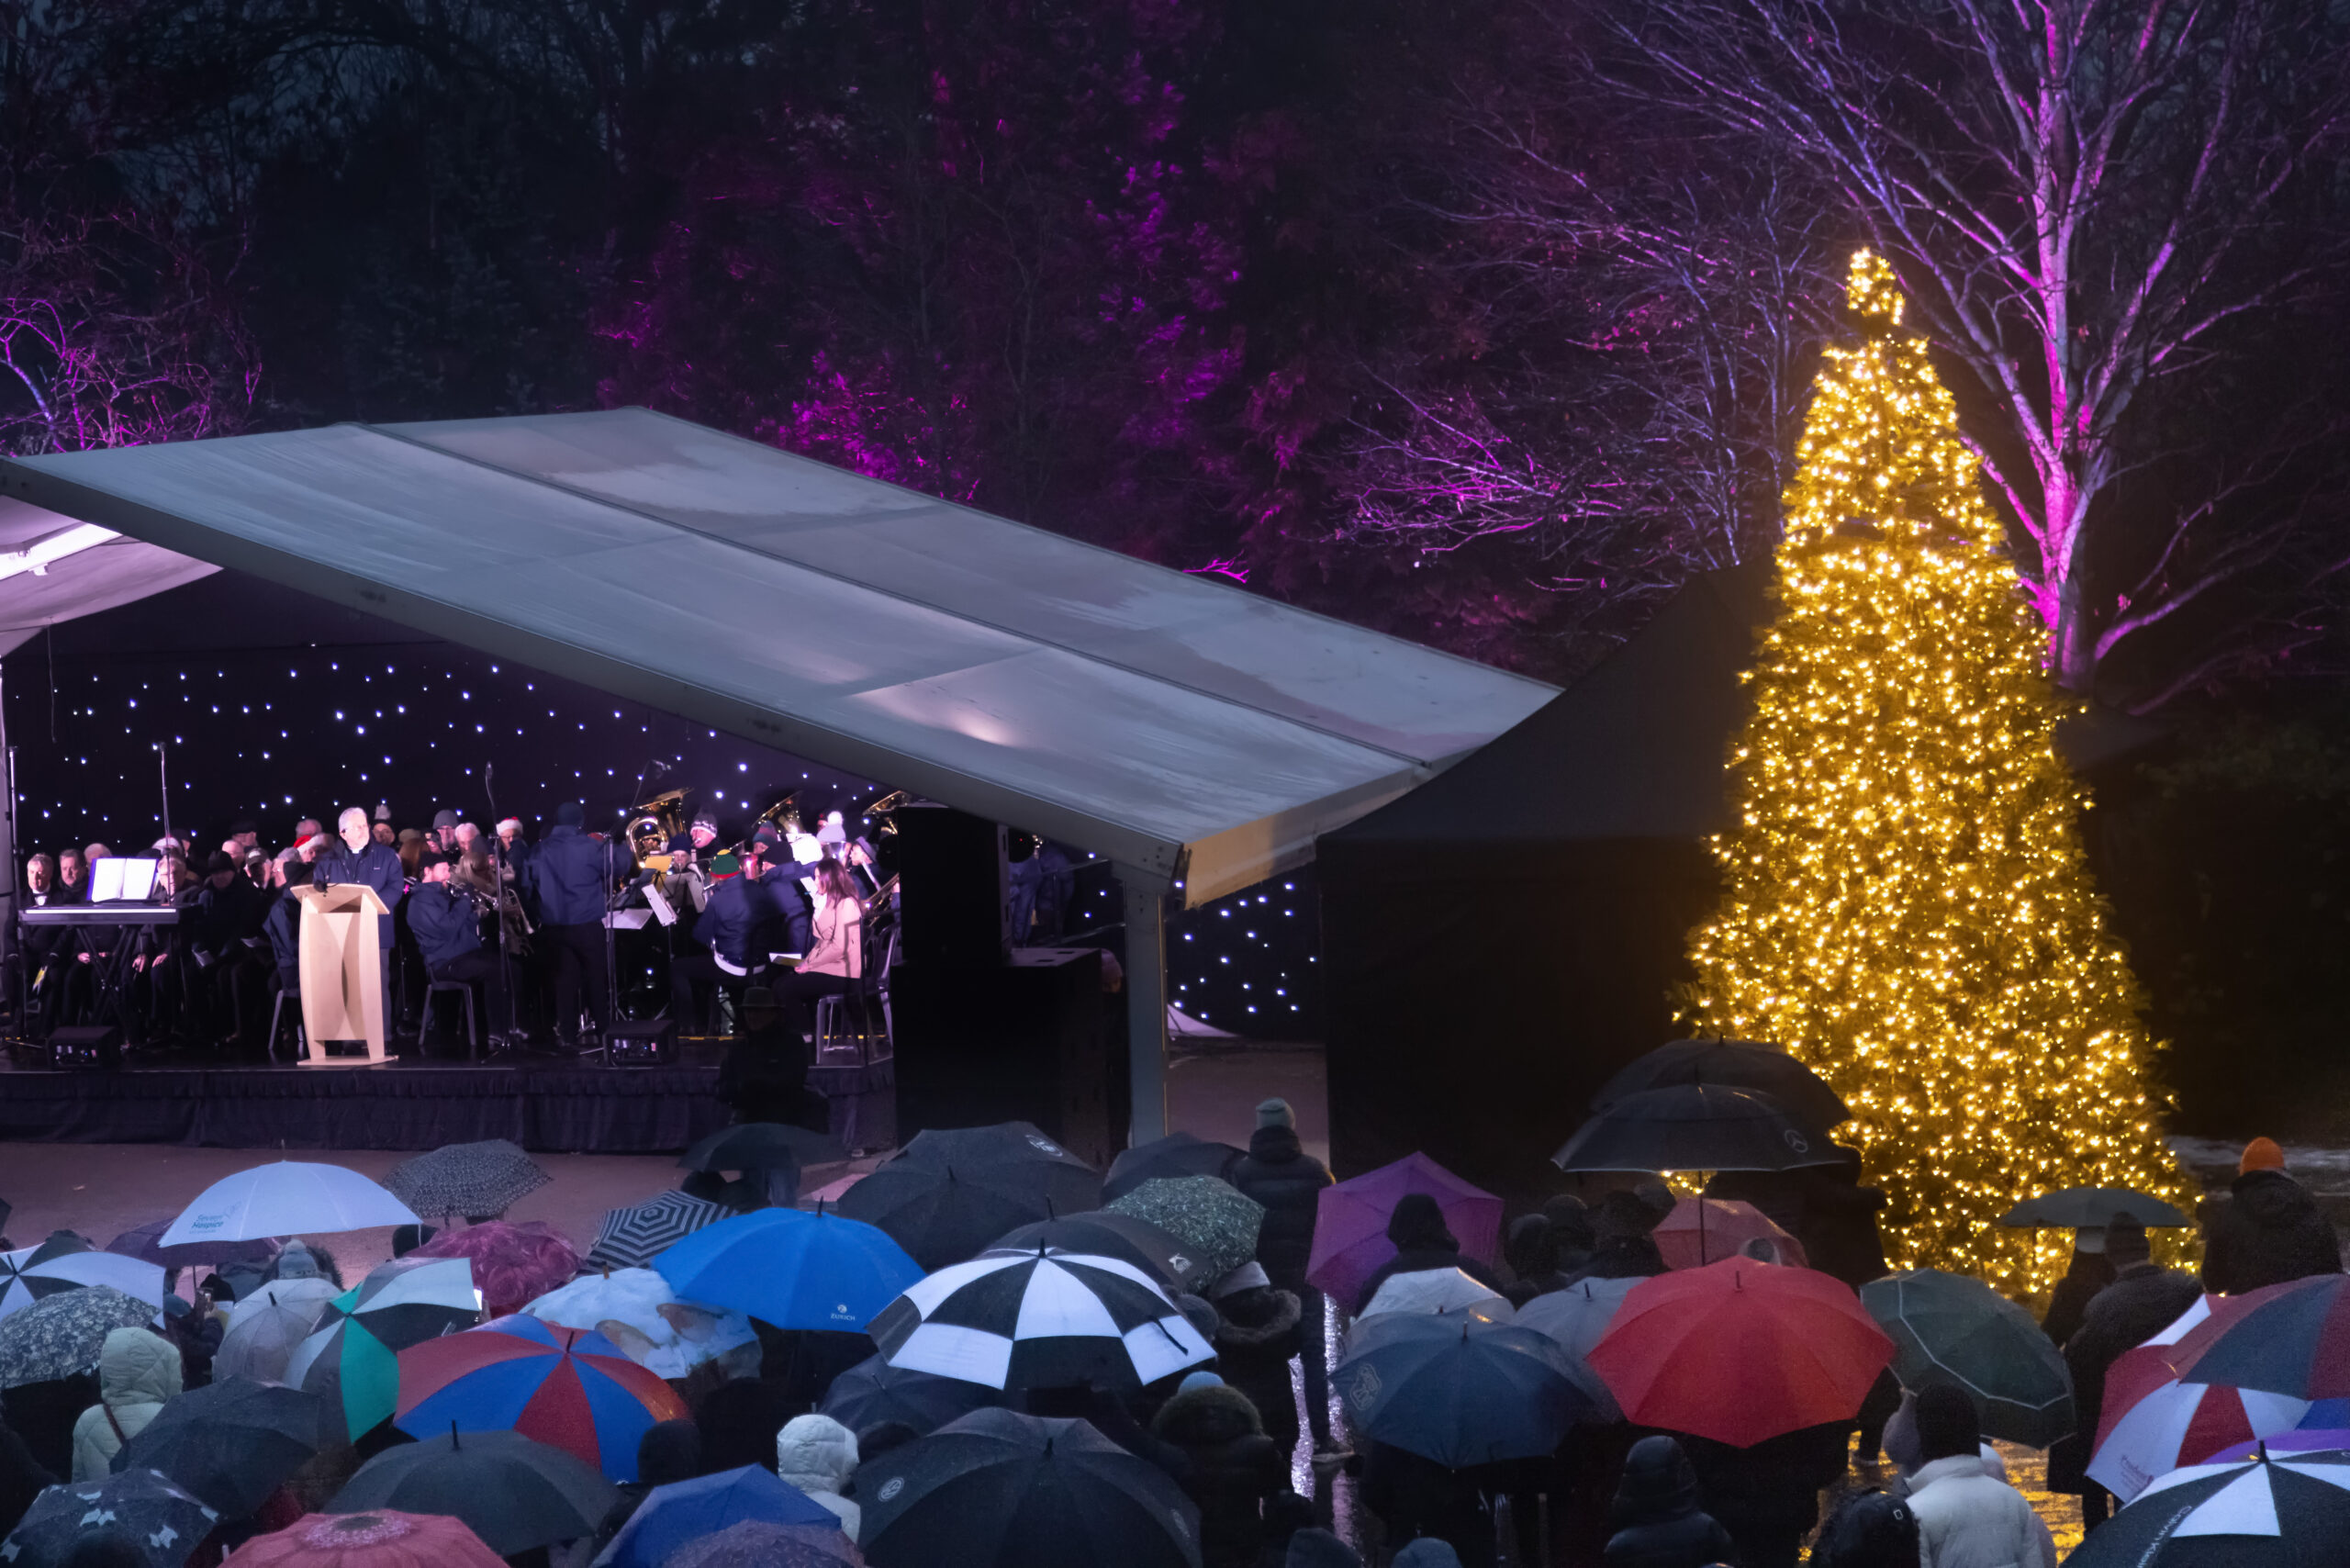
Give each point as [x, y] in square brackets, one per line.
[659, 905]
[121, 877]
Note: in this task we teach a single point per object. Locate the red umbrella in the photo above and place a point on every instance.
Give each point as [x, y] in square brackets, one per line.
[570, 1388]
[513, 1264]
[1739, 1351]
[1720, 1227]
[381, 1540]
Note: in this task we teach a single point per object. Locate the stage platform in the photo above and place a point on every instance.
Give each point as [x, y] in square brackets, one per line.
[544, 1104]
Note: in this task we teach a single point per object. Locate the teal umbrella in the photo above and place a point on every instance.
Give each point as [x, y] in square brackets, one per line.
[351, 1360]
[1213, 1218]
[1954, 1328]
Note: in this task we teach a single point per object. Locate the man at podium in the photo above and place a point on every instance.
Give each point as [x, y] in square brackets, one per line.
[360, 858]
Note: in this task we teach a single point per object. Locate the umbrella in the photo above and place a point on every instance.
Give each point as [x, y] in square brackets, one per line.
[1458, 1389]
[164, 1520]
[873, 1392]
[1739, 1351]
[635, 1309]
[1728, 1064]
[1350, 1222]
[277, 1295]
[62, 1335]
[379, 1539]
[32, 1272]
[1212, 1216]
[264, 1330]
[1954, 1328]
[1577, 1317]
[2146, 1434]
[1177, 1153]
[570, 1388]
[2292, 1338]
[632, 1237]
[1695, 1126]
[1040, 1320]
[291, 1197]
[754, 1543]
[232, 1443]
[2282, 1513]
[1705, 1230]
[2325, 1425]
[673, 1515]
[1437, 1289]
[2082, 1208]
[948, 1193]
[510, 1491]
[351, 1359]
[474, 1179]
[998, 1489]
[762, 1145]
[147, 1241]
[792, 1268]
[512, 1263]
[1111, 1234]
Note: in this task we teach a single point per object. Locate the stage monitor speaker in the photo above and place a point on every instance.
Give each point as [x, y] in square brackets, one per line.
[1022, 1042]
[652, 1044]
[954, 891]
[86, 1047]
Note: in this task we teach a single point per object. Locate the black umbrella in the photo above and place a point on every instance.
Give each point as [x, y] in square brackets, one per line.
[2077, 1208]
[873, 1392]
[2292, 1511]
[232, 1443]
[1458, 1389]
[1000, 1490]
[1177, 1153]
[948, 1193]
[1729, 1064]
[1107, 1235]
[1695, 1126]
[163, 1519]
[513, 1492]
[476, 1180]
[761, 1146]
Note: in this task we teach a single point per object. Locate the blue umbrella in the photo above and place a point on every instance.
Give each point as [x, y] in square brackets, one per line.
[686, 1511]
[1460, 1390]
[792, 1268]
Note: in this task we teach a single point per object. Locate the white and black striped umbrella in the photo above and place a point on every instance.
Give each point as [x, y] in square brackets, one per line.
[1041, 1319]
[33, 1272]
[631, 1238]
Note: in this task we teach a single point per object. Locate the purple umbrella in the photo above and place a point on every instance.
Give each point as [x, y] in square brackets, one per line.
[146, 1241]
[1350, 1228]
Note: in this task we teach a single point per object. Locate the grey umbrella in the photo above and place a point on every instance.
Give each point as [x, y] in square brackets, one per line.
[62, 1335]
[163, 1519]
[478, 1181]
[2075, 1208]
[631, 1238]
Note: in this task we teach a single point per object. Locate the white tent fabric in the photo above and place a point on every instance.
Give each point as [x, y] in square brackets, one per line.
[1173, 724]
[53, 569]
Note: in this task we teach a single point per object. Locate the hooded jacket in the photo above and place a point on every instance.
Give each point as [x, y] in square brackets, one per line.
[1231, 1467]
[1966, 1519]
[1280, 1174]
[818, 1455]
[2270, 1230]
[1656, 1515]
[137, 1373]
[1257, 1332]
[1423, 1241]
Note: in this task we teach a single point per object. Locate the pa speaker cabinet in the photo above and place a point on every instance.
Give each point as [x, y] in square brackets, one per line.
[652, 1044]
[1024, 1041]
[89, 1048]
[954, 892]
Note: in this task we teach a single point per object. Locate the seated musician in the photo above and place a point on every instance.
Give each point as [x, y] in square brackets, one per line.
[158, 1010]
[447, 921]
[835, 956]
[791, 902]
[231, 975]
[41, 946]
[738, 925]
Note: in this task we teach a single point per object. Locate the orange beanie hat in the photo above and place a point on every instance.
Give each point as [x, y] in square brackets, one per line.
[2261, 1153]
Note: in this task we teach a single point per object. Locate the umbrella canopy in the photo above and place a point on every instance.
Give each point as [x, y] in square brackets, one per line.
[632, 1237]
[2282, 1513]
[1212, 1216]
[2080, 1208]
[477, 1181]
[792, 1268]
[1042, 1320]
[1001, 1490]
[673, 1515]
[1176, 1155]
[265, 1328]
[1695, 1126]
[512, 1263]
[1350, 1222]
[570, 1388]
[1730, 1064]
[1459, 1389]
[1739, 1351]
[412, 1299]
[32, 1272]
[146, 1241]
[2146, 1433]
[62, 1335]
[635, 1309]
[1705, 1230]
[2325, 1425]
[2292, 1338]
[351, 1359]
[232, 1443]
[1954, 1328]
[289, 1198]
[380, 1539]
[757, 1545]
[1437, 1289]
[1106, 1234]
[762, 1145]
[163, 1519]
[873, 1392]
[510, 1491]
[948, 1193]
[1578, 1317]
[280, 1294]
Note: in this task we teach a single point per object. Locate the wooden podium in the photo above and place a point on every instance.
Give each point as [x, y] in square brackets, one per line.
[342, 972]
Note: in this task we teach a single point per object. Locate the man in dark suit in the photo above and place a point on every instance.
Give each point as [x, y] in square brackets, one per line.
[360, 858]
[569, 878]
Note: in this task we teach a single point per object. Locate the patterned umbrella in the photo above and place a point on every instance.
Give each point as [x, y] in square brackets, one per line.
[570, 1388]
[164, 1520]
[350, 1360]
[1040, 1320]
[147, 1241]
[1177, 1153]
[1203, 1212]
[477, 1181]
[631, 1238]
[512, 1263]
[756, 1544]
[232, 1443]
[2145, 1436]
[30, 1274]
[62, 1335]
[381, 1540]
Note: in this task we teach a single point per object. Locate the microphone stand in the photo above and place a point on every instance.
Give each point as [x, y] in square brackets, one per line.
[497, 916]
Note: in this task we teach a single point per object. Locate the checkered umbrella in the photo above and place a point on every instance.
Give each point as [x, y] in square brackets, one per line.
[477, 1181]
[1041, 1319]
[164, 1520]
[631, 1238]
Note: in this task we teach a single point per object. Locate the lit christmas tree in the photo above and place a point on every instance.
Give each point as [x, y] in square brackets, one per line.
[1906, 901]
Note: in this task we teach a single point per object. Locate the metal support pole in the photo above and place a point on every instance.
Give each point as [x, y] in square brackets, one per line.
[1145, 900]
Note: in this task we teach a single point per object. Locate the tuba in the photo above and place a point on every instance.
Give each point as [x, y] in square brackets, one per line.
[653, 824]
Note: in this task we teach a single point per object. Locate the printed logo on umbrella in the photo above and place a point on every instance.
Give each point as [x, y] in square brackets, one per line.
[1796, 1141]
[891, 1487]
[1366, 1384]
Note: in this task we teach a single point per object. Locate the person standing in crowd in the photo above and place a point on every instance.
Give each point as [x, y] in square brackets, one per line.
[818, 1455]
[2088, 1272]
[1966, 1519]
[2142, 1299]
[1623, 1234]
[138, 1371]
[1278, 1174]
[1257, 1333]
[570, 876]
[1423, 1244]
[1767, 1494]
[2268, 1230]
[444, 831]
[1660, 1521]
[1230, 1466]
[360, 859]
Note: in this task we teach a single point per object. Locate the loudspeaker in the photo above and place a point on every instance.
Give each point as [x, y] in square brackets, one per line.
[86, 1047]
[1022, 1042]
[955, 895]
[653, 1043]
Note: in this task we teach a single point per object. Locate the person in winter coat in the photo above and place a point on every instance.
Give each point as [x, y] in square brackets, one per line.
[1317, 1548]
[1966, 1520]
[22, 1477]
[2270, 1229]
[1416, 1496]
[1532, 1254]
[1838, 1228]
[669, 1452]
[1571, 1234]
[138, 1371]
[1280, 1174]
[1624, 1243]
[1231, 1466]
[1257, 1333]
[818, 1455]
[1423, 1242]
[1427, 1553]
[1286, 1513]
[1657, 1518]
[2088, 1272]
[2141, 1300]
[1868, 1530]
[739, 1420]
[1767, 1495]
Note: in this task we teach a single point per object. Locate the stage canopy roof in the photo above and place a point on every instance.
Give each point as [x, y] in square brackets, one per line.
[1165, 721]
